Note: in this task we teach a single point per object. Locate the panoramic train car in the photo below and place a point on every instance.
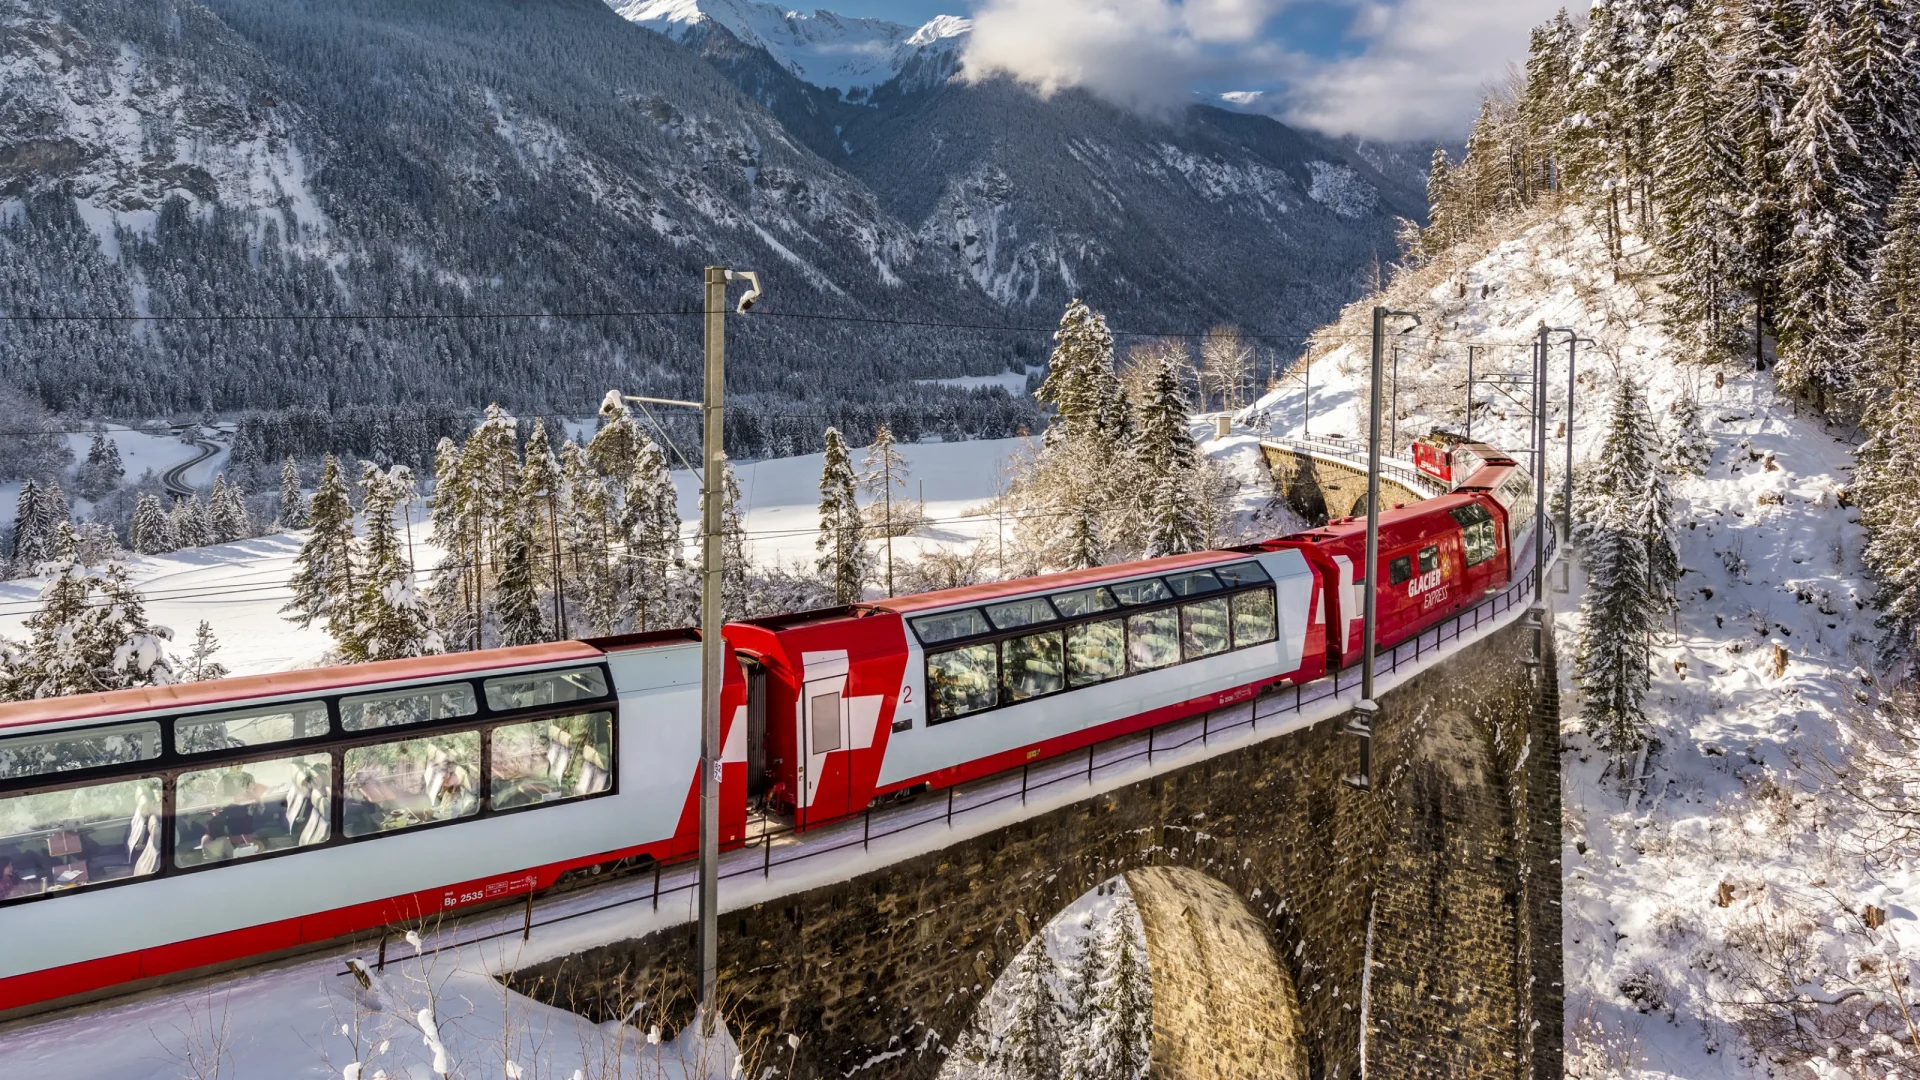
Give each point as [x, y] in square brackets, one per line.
[149, 832]
[941, 688]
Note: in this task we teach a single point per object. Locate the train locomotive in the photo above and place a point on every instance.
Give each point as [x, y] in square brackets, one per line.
[150, 834]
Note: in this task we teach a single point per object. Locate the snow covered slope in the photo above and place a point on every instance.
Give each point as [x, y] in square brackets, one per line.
[1718, 880]
[826, 50]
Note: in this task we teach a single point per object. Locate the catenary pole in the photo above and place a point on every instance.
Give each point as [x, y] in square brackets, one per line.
[1541, 525]
[1470, 349]
[1361, 723]
[712, 647]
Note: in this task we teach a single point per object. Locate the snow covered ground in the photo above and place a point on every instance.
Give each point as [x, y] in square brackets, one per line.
[1670, 883]
[140, 452]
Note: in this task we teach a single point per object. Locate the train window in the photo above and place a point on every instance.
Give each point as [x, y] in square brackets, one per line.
[1018, 613]
[1085, 602]
[950, 626]
[1031, 666]
[1400, 570]
[1241, 573]
[1096, 652]
[87, 748]
[1153, 639]
[1476, 533]
[1203, 628]
[546, 761]
[1429, 559]
[54, 841]
[238, 811]
[249, 727]
[398, 785]
[415, 705]
[545, 688]
[1134, 593]
[1195, 583]
[964, 680]
[1253, 621]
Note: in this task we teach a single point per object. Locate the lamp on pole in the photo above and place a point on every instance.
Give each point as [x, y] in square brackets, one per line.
[1361, 723]
[713, 650]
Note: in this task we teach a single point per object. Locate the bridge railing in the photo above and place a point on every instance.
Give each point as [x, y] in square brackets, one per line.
[758, 857]
[1355, 455]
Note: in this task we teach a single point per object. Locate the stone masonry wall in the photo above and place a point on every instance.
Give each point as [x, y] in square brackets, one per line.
[1318, 489]
[1448, 855]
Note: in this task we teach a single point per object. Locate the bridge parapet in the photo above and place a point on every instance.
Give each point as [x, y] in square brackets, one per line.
[1322, 480]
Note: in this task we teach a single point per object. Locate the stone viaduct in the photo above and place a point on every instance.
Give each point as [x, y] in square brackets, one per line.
[1265, 882]
[1320, 485]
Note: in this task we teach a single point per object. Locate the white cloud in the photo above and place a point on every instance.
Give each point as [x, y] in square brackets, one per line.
[1424, 68]
[1420, 69]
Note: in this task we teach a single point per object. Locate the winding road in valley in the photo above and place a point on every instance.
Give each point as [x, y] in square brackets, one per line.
[175, 479]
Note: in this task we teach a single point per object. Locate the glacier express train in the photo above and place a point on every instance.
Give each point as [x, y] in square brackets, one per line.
[146, 834]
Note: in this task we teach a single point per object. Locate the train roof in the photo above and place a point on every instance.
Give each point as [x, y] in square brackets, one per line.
[193, 695]
[1066, 579]
[1401, 525]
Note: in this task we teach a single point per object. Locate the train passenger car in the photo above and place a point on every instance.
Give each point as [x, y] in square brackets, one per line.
[940, 688]
[1436, 557]
[150, 832]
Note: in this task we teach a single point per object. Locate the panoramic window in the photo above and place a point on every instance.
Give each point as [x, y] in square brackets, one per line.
[1253, 618]
[55, 841]
[416, 705]
[1476, 533]
[964, 680]
[1096, 652]
[250, 727]
[1203, 628]
[1135, 593]
[1153, 640]
[545, 688]
[87, 748]
[546, 761]
[397, 785]
[238, 811]
[1032, 666]
[1084, 602]
[950, 626]
[1194, 583]
[1400, 570]
[1018, 613]
[1241, 573]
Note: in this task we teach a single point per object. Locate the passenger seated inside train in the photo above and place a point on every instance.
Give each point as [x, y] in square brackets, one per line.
[60, 840]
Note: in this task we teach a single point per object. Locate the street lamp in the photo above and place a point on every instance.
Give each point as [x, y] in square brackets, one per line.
[1361, 723]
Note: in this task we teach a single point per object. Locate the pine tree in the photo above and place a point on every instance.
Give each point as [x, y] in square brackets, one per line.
[882, 472]
[1758, 65]
[1543, 107]
[1081, 386]
[454, 597]
[1116, 1031]
[151, 532]
[652, 528]
[323, 572]
[843, 558]
[522, 620]
[540, 494]
[588, 537]
[188, 523]
[1879, 44]
[1623, 598]
[1698, 171]
[1028, 1048]
[1888, 480]
[227, 517]
[1442, 224]
[102, 471]
[32, 529]
[1166, 461]
[200, 666]
[1821, 276]
[390, 621]
[89, 634]
[736, 577]
[293, 504]
[1689, 448]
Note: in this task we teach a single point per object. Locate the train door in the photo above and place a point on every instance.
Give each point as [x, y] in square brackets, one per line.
[759, 776]
[824, 734]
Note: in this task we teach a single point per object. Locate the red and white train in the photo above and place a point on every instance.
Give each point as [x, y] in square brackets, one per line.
[149, 833]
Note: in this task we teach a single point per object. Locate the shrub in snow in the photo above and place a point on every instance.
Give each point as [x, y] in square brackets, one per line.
[90, 633]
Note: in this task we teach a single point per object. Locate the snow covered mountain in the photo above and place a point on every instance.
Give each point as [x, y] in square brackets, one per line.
[853, 56]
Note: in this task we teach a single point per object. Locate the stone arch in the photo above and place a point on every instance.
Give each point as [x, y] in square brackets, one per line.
[1224, 1006]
